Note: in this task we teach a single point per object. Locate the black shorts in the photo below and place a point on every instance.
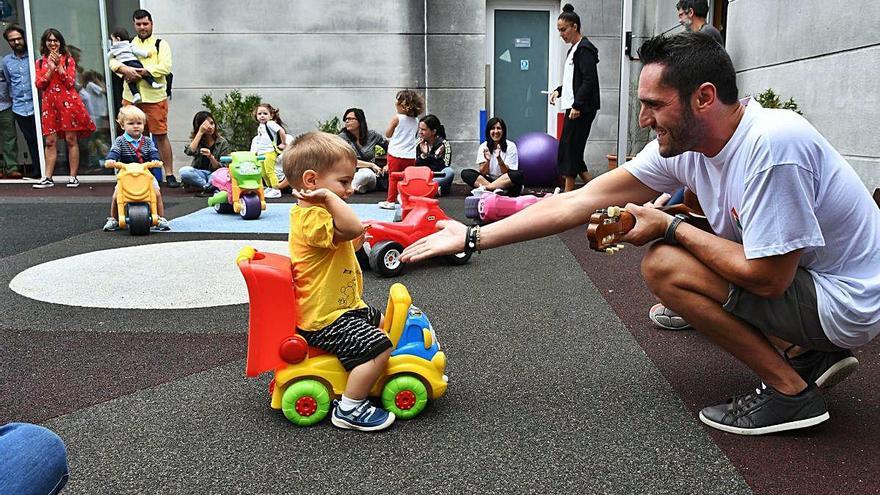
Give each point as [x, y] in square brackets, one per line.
[794, 317]
[570, 157]
[355, 337]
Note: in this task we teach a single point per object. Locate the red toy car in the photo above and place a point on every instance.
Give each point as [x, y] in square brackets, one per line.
[384, 241]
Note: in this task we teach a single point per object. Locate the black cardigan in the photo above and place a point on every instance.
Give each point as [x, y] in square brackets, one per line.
[586, 77]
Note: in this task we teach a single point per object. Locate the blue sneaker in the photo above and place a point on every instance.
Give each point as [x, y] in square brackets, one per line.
[364, 417]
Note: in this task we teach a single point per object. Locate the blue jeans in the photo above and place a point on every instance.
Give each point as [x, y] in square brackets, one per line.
[33, 460]
[445, 181]
[195, 177]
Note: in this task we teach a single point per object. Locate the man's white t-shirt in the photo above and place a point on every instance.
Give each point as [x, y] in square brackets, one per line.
[778, 186]
[509, 157]
[262, 142]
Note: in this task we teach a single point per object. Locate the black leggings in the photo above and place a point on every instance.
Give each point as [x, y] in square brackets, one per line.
[469, 176]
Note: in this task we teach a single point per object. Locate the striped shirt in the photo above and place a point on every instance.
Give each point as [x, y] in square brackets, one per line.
[134, 151]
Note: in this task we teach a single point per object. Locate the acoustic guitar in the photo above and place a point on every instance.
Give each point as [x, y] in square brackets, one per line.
[608, 225]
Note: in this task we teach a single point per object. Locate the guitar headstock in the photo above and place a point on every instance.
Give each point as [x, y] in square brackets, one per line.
[607, 226]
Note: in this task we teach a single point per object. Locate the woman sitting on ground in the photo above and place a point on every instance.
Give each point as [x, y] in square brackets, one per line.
[364, 142]
[433, 151]
[206, 148]
[497, 163]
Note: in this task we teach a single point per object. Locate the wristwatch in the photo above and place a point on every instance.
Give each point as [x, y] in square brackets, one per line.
[669, 237]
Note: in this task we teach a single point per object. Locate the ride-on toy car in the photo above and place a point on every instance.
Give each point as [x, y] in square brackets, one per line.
[240, 185]
[135, 196]
[420, 212]
[306, 378]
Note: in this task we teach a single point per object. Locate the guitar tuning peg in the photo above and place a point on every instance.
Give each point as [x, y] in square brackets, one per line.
[613, 211]
[609, 250]
[619, 246]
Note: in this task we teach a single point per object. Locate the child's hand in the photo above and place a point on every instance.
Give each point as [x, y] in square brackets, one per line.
[318, 196]
[487, 154]
[205, 127]
[498, 151]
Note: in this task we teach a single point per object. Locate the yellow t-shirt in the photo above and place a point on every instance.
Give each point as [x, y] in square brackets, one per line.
[327, 276]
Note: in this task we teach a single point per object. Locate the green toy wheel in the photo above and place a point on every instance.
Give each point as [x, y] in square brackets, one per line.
[305, 402]
[405, 395]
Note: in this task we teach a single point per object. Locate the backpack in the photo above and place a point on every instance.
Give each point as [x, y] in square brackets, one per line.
[168, 78]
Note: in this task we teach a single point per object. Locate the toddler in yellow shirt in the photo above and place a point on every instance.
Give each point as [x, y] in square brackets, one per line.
[324, 234]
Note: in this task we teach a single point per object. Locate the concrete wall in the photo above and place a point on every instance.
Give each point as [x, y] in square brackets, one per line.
[823, 54]
[313, 60]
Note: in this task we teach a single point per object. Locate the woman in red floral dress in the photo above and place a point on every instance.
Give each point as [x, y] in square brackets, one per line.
[62, 110]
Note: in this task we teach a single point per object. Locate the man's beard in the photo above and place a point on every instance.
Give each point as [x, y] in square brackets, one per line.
[683, 137]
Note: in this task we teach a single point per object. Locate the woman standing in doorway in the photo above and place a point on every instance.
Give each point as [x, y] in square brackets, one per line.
[578, 96]
[62, 110]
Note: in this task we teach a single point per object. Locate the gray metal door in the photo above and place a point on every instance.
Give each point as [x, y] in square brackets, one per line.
[521, 60]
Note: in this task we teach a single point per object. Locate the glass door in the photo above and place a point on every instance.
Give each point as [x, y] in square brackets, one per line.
[82, 24]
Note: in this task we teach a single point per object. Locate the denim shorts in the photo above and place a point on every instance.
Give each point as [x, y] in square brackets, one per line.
[793, 317]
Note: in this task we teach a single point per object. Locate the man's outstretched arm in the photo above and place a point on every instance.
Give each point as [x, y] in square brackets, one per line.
[550, 216]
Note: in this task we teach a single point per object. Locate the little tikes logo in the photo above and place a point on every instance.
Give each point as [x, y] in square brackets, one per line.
[735, 216]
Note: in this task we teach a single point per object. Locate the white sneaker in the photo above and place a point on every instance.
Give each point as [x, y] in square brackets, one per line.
[387, 205]
[478, 191]
[271, 193]
[157, 85]
[112, 224]
[163, 224]
[136, 98]
[73, 182]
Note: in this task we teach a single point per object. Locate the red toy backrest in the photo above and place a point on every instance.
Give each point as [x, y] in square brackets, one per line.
[415, 182]
[273, 309]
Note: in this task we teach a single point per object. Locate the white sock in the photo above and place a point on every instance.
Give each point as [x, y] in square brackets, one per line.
[348, 404]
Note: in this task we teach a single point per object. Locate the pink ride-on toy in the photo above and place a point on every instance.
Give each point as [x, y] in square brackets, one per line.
[489, 207]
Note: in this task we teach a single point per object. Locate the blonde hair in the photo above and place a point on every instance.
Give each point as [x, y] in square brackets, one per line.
[318, 151]
[131, 112]
[411, 102]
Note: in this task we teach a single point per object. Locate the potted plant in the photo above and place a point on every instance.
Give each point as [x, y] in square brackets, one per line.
[234, 116]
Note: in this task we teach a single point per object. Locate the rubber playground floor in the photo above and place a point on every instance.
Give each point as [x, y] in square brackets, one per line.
[132, 350]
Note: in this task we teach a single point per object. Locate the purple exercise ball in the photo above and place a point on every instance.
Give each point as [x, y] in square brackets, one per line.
[537, 158]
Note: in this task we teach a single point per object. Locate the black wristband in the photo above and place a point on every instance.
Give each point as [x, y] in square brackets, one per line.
[669, 237]
[470, 240]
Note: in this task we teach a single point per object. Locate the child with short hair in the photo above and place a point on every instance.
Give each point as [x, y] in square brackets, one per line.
[402, 131]
[324, 234]
[127, 54]
[133, 147]
[269, 142]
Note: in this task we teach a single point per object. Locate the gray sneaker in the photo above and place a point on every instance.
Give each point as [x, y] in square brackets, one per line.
[767, 411]
[163, 225]
[825, 369]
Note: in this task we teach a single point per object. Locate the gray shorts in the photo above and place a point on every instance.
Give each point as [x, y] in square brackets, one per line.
[794, 317]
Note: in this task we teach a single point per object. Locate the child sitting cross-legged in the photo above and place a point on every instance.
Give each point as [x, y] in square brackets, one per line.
[324, 234]
[133, 147]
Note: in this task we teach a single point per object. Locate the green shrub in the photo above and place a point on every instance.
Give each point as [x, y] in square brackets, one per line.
[234, 116]
[331, 126]
[769, 99]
